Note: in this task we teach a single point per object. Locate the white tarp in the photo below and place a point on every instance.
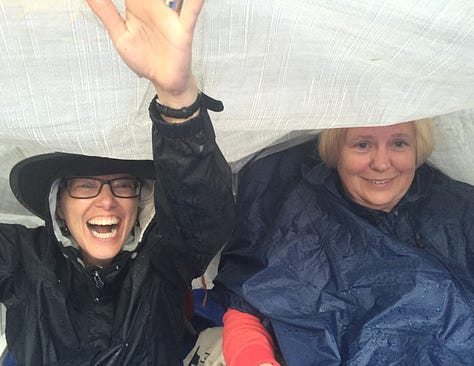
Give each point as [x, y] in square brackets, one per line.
[278, 66]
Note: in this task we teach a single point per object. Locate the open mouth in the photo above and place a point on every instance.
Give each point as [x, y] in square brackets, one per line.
[103, 228]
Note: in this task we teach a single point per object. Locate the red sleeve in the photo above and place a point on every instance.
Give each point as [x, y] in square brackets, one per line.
[245, 340]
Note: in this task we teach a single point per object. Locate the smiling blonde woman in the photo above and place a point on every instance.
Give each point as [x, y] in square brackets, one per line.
[360, 256]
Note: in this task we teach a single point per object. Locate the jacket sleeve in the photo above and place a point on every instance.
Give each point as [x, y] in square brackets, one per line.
[20, 250]
[245, 340]
[193, 195]
[9, 262]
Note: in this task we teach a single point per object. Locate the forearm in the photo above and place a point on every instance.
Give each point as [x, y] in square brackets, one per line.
[178, 100]
[194, 180]
[246, 342]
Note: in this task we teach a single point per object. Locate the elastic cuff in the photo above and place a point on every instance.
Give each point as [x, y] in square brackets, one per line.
[191, 127]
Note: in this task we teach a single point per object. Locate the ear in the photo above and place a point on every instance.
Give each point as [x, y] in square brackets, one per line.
[59, 208]
[59, 214]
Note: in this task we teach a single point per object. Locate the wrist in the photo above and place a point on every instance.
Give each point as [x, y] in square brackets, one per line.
[178, 98]
[177, 115]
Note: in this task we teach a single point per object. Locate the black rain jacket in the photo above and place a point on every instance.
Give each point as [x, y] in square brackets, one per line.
[131, 312]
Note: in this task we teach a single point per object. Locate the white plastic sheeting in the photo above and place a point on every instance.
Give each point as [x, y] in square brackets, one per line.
[278, 66]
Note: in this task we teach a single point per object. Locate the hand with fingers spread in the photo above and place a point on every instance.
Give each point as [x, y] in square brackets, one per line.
[156, 43]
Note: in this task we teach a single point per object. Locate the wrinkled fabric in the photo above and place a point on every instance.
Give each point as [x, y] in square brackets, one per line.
[130, 312]
[340, 284]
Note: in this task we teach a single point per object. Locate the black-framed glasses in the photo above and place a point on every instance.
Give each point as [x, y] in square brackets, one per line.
[88, 187]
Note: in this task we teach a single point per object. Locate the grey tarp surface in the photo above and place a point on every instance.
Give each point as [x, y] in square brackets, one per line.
[278, 65]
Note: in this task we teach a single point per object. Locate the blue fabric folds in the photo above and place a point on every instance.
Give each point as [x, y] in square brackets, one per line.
[341, 284]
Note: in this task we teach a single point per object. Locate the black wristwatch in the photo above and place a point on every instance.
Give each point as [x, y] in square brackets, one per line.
[184, 112]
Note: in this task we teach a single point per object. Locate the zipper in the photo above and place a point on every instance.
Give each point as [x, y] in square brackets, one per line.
[99, 284]
[96, 285]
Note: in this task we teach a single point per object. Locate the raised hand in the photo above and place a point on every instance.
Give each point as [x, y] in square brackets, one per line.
[156, 43]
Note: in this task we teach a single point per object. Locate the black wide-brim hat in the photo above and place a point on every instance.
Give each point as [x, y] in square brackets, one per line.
[31, 178]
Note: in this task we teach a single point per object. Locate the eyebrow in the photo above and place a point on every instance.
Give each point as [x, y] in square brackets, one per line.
[395, 135]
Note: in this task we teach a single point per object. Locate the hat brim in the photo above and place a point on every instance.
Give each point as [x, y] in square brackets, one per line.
[31, 178]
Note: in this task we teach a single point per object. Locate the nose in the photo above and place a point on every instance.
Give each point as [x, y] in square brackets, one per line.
[380, 159]
[105, 198]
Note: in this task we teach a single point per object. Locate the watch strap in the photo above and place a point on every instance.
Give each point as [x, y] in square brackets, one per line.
[202, 100]
[184, 112]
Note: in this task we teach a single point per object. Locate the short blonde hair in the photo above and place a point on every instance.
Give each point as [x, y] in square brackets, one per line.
[331, 139]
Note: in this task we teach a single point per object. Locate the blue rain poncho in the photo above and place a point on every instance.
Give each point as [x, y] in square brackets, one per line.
[340, 284]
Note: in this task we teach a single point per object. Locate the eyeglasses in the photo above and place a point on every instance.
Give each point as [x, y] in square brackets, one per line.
[86, 187]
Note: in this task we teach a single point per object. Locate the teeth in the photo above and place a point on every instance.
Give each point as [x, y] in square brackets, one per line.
[107, 235]
[103, 227]
[104, 221]
[384, 181]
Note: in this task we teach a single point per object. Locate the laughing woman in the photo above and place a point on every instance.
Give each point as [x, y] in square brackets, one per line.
[103, 282]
